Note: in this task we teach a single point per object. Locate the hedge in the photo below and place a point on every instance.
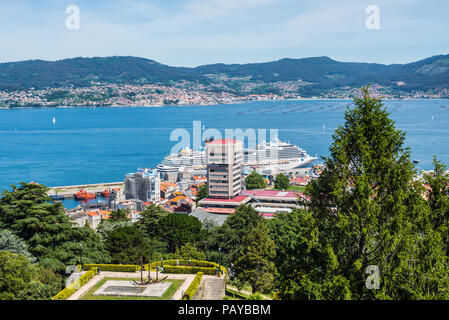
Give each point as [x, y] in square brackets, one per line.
[190, 292]
[170, 266]
[184, 267]
[74, 286]
[114, 267]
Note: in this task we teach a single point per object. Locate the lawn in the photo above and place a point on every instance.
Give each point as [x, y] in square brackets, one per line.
[297, 188]
[176, 283]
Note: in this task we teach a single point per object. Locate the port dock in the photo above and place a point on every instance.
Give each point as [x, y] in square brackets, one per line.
[68, 192]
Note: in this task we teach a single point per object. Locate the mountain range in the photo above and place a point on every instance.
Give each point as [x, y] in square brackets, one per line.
[314, 74]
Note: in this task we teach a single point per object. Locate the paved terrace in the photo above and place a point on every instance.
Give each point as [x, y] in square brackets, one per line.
[188, 278]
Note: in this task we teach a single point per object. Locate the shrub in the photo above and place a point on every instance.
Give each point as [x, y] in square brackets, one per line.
[256, 296]
[190, 292]
[182, 269]
[73, 287]
[235, 294]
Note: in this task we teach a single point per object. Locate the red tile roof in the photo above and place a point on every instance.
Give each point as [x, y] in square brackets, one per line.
[274, 194]
[235, 199]
[219, 210]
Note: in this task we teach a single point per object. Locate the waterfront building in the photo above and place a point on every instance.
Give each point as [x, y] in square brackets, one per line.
[143, 185]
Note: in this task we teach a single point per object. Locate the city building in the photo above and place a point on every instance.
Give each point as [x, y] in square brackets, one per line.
[224, 159]
[94, 217]
[143, 185]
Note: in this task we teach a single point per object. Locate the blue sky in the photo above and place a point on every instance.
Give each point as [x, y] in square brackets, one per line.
[195, 32]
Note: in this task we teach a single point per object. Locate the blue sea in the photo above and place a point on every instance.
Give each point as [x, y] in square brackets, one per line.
[93, 145]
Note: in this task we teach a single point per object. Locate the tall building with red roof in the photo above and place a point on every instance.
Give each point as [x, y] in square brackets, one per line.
[224, 158]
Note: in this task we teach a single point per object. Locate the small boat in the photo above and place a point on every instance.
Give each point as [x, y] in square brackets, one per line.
[84, 195]
[54, 120]
[415, 161]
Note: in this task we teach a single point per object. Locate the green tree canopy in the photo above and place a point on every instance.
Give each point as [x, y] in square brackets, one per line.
[178, 229]
[127, 245]
[255, 181]
[119, 215]
[20, 280]
[12, 243]
[189, 251]
[229, 236]
[149, 220]
[51, 237]
[281, 182]
[438, 195]
[365, 211]
[255, 263]
[108, 225]
[293, 234]
[202, 192]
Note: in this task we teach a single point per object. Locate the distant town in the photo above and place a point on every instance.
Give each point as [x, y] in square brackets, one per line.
[183, 93]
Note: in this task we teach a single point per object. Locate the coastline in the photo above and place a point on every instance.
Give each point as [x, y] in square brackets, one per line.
[216, 104]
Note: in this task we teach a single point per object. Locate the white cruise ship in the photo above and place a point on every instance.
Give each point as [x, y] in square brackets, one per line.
[274, 155]
[277, 155]
[186, 159]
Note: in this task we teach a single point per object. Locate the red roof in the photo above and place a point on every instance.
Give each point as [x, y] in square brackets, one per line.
[223, 141]
[219, 210]
[299, 179]
[268, 214]
[274, 194]
[236, 199]
[92, 213]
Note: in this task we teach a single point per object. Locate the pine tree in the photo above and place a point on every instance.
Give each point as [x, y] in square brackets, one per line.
[438, 194]
[365, 212]
[149, 220]
[50, 235]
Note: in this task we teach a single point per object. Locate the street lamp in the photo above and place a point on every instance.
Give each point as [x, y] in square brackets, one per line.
[81, 256]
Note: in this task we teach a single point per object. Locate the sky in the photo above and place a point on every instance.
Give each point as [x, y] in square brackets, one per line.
[197, 32]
